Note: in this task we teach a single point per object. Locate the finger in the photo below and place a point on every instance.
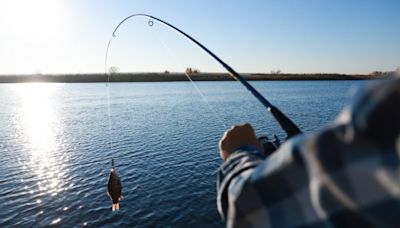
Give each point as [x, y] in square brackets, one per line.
[222, 141]
[225, 135]
[247, 125]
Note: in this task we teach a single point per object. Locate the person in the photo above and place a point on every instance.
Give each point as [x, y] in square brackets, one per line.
[346, 175]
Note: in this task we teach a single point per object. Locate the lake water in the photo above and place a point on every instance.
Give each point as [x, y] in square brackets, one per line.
[56, 147]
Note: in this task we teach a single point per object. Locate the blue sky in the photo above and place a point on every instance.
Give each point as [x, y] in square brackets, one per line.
[295, 36]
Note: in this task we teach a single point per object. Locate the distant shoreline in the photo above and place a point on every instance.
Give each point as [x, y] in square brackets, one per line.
[167, 77]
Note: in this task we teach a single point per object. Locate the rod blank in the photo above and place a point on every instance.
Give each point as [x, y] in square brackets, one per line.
[286, 124]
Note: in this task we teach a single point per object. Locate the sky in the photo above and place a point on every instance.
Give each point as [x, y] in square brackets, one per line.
[293, 36]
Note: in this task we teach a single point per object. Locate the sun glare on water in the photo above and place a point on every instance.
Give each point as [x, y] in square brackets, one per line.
[38, 116]
[39, 124]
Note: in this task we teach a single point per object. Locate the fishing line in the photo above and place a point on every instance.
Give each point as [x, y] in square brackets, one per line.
[109, 115]
[179, 63]
[108, 97]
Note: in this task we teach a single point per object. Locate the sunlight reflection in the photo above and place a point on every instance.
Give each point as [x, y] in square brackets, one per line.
[38, 116]
[39, 125]
[38, 119]
[55, 221]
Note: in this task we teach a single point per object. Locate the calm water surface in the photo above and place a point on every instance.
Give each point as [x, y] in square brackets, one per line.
[56, 147]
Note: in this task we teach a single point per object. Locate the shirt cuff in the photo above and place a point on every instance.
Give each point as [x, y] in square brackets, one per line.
[251, 149]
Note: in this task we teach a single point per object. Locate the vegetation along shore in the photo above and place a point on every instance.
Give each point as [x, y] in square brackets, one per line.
[167, 76]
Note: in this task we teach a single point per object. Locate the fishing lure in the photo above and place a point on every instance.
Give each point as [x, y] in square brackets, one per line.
[114, 187]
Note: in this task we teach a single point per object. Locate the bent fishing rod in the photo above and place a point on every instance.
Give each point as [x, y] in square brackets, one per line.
[286, 124]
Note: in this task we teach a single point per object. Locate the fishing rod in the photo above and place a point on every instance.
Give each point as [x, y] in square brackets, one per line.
[286, 124]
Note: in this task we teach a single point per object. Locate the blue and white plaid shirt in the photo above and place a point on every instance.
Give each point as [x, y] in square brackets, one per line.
[346, 175]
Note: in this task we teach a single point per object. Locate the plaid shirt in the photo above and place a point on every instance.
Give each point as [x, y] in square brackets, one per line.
[346, 175]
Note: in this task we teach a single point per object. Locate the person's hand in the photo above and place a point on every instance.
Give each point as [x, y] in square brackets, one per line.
[236, 137]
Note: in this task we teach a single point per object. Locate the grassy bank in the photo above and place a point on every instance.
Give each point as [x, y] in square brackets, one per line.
[162, 77]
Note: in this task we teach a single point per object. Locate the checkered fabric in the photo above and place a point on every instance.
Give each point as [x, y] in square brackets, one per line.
[347, 175]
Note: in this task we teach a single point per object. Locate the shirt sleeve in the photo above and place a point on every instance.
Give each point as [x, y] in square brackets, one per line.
[346, 175]
[253, 191]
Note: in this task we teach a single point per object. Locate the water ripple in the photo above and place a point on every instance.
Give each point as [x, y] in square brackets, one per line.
[164, 146]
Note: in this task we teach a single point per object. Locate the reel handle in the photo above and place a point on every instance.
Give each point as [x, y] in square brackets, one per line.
[270, 145]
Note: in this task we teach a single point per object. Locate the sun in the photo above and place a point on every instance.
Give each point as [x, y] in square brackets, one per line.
[32, 19]
[33, 33]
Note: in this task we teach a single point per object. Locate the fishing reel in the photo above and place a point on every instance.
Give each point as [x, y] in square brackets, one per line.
[270, 145]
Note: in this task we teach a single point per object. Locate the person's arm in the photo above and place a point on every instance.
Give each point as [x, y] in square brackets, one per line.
[346, 175]
[257, 191]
